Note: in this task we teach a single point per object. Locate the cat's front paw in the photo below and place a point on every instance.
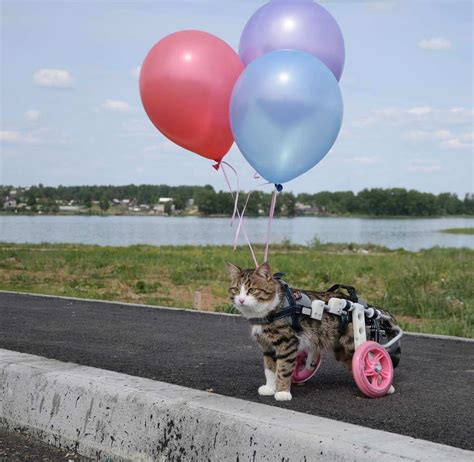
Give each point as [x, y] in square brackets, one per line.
[283, 396]
[266, 390]
[391, 390]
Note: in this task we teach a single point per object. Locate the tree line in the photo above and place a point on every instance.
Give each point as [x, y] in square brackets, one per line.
[370, 202]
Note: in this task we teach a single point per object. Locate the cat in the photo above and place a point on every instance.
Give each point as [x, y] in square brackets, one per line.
[256, 293]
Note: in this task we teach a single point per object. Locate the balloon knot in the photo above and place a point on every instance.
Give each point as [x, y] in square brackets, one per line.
[216, 166]
[279, 187]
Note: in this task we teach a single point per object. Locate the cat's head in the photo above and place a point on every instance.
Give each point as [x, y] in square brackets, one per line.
[254, 292]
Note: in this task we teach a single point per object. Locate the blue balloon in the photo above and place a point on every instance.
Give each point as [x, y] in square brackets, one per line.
[285, 113]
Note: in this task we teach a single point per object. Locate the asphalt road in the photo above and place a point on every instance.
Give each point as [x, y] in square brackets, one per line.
[434, 381]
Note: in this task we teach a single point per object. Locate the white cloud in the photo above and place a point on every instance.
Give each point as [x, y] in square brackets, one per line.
[420, 110]
[33, 115]
[138, 127]
[53, 78]
[10, 136]
[116, 105]
[38, 136]
[469, 136]
[425, 166]
[455, 143]
[363, 160]
[445, 138]
[388, 112]
[366, 160]
[152, 148]
[460, 115]
[417, 135]
[163, 146]
[442, 134]
[427, 115]
[135, 72]
[435, 44]
[380, 5]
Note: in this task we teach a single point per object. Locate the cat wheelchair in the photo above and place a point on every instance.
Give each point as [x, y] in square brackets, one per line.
[377, 346]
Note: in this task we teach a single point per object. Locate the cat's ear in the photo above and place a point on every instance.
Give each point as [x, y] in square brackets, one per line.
[234, 270]
[264, 271]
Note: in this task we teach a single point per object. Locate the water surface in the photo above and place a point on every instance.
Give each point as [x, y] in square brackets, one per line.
[411, 234]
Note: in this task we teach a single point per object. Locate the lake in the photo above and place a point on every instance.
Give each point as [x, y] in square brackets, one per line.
[410, 234]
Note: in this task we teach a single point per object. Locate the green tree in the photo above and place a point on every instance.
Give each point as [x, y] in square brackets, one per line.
[205, 200]
[31, 200]
[288, 202]
[468, 204]
[450, 204]
[104, 204]
[168, 208]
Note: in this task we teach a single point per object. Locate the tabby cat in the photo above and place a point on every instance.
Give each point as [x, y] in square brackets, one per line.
[257, 293]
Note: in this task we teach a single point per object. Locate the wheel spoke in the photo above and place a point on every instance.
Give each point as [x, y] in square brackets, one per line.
[368, 362]
[378, 357]
[369, 372]
[376, 383]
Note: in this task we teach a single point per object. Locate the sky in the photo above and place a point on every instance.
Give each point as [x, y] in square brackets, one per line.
[71, 112]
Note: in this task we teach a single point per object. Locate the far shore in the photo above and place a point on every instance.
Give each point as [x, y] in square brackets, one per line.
[458, 231]
[199, 215]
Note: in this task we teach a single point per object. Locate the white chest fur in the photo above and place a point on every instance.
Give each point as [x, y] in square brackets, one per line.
[256, 330]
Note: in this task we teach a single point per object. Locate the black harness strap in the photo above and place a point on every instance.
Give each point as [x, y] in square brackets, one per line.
[294, 311]
[350, 290]
[291, 311]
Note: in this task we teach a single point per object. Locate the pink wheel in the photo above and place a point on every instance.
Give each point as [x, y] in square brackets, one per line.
[372, 369]
[304, 371]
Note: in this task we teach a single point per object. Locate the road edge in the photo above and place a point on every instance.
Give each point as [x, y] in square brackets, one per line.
[160, 307]
[104, 414]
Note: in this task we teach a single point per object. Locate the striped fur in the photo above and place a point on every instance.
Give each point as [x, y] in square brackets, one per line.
[255, 293]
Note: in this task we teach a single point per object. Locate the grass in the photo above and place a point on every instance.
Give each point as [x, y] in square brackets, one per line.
[458, 230]
[429, 291]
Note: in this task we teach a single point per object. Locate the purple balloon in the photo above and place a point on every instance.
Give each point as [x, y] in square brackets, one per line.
[294, 24]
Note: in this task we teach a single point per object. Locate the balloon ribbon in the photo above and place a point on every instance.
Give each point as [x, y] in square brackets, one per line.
[270, 220]
[236, 208]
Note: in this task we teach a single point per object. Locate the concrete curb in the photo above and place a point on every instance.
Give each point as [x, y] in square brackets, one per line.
[159, 307]
[104, 414]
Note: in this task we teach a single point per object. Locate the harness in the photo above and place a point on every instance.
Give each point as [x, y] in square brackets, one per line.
[297, 305]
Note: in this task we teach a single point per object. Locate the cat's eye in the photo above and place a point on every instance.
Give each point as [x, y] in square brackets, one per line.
[234, 290]
[263, 291]
[252, 290]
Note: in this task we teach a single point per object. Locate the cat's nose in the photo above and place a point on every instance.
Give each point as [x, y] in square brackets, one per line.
[241, 300]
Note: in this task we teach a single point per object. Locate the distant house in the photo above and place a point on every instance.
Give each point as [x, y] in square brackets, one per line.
[316, 210]
[69, 208]
[306, 209]
[116, 201]
[13, 192]
[164, 204]
[299, 207]
[9, 203]
[159, 209]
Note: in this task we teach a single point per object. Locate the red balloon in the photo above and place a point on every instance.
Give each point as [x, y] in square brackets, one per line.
[186, 82]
